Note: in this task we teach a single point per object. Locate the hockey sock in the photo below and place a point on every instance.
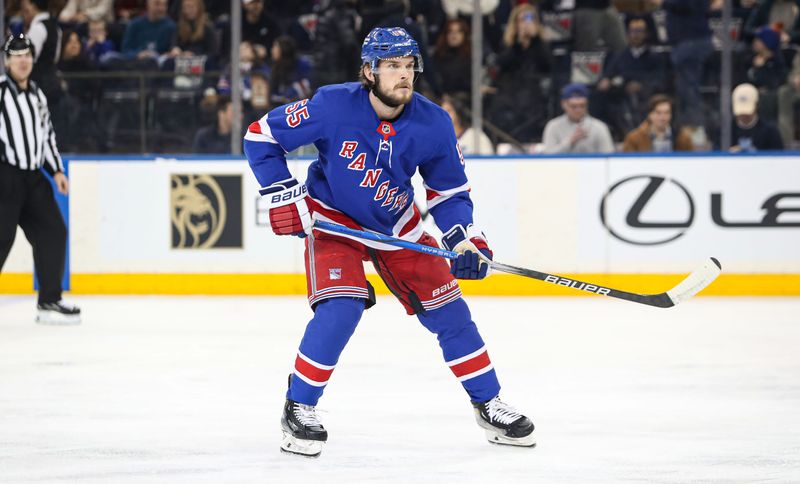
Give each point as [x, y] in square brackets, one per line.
[326, 335]
[463, 349]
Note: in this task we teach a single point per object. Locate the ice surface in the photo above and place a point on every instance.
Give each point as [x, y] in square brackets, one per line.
[190, 389]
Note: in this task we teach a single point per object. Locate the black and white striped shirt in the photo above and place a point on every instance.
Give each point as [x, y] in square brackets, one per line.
[27, 138]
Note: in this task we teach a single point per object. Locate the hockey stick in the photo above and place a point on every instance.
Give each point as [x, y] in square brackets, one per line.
[691, 285]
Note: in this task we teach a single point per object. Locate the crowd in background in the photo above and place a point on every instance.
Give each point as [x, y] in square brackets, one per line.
[558, 75]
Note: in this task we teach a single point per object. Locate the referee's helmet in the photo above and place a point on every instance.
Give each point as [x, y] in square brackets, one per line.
[18, 45]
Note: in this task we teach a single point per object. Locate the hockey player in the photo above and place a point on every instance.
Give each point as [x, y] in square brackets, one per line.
[372, 137]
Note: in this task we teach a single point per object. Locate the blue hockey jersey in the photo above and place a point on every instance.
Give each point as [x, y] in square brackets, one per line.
[362, 177]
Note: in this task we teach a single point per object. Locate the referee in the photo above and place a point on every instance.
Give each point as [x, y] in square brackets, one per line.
[28, 144]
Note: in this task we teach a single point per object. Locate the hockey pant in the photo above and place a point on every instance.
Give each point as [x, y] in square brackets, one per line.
[336, 319]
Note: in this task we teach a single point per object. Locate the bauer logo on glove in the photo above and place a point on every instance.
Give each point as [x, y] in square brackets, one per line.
[473, 251]
[288, 211]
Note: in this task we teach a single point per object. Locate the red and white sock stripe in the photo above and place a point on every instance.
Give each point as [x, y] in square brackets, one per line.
[311, 372]
[474, 364]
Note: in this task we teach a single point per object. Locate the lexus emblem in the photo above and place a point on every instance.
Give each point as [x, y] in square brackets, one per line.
[647, 210]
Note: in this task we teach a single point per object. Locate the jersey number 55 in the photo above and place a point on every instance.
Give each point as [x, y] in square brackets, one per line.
[296, 113]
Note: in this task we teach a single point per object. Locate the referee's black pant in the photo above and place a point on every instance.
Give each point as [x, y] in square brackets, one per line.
[26, 199]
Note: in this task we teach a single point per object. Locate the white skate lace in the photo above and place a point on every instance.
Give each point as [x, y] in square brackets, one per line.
[501, 412]
[306, 415]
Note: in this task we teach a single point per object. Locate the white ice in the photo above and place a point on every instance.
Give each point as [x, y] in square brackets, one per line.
[190, 389]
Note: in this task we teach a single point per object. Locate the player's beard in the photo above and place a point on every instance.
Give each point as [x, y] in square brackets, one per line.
[394, 97]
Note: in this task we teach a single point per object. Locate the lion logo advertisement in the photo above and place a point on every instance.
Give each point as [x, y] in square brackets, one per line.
[206, 211]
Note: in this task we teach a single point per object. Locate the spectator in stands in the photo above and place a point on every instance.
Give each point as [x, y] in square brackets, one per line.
[73, 57]
[455, 107]
[453, 56]
[151, 34]
[751, 133]
[99, 48]
[630, 79]
[127, 10]
[217, 137]
[576, 131]
[690, 38]
[258, 102]
[523, 67]
[84, 11]
[259, 92]
[336, 50]
[196, 35]
[788, 95]
[215, 9]
[656, 133]
[45, 35]
[258, 27]
[597, 27]
[783, 14]
[493, 12]
[289, 76]
[767, 69]
[248, 65]
[74, 118]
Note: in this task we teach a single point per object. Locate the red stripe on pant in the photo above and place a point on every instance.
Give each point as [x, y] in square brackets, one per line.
[312, 372]
[472, 365]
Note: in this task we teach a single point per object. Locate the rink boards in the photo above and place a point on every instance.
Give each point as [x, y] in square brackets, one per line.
[189, 225]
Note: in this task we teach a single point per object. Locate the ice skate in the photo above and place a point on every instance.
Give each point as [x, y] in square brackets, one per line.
[503, 424]
[303, 434]
[58, 313]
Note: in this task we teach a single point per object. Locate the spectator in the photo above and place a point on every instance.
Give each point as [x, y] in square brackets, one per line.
[453, 56]
[454, 105]
[195, 35]
[74, 118]
[217, 137]
[289, 75]
[99, 48]
[751, 133]
[522, 69]
[151, 34]
[656, 133]
[494, 14]
[782, 13]
[690, 38]
[337, 50]
[215, 9]
[631, 78]
[788, 94]
[84, 11]
[767, 69]
[45, 35]
[127, 10]
[259, 100]
[597, 27]
[248, 65]
[258, 27]
[576, 131]
[74, 59]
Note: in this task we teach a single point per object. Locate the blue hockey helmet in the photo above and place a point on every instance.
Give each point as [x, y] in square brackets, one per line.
[387, 43]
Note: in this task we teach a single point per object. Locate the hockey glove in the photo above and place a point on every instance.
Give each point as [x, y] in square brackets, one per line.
[473, 252]
[288, 210]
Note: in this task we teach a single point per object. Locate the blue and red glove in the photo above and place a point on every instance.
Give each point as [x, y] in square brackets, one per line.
[473, 252]
[288, 211]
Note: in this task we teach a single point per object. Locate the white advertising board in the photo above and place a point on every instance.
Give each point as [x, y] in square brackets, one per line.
[659, 215]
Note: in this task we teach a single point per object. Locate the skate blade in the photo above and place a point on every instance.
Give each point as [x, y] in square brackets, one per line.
[301, 447]
[57, 319]
[495, 438]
